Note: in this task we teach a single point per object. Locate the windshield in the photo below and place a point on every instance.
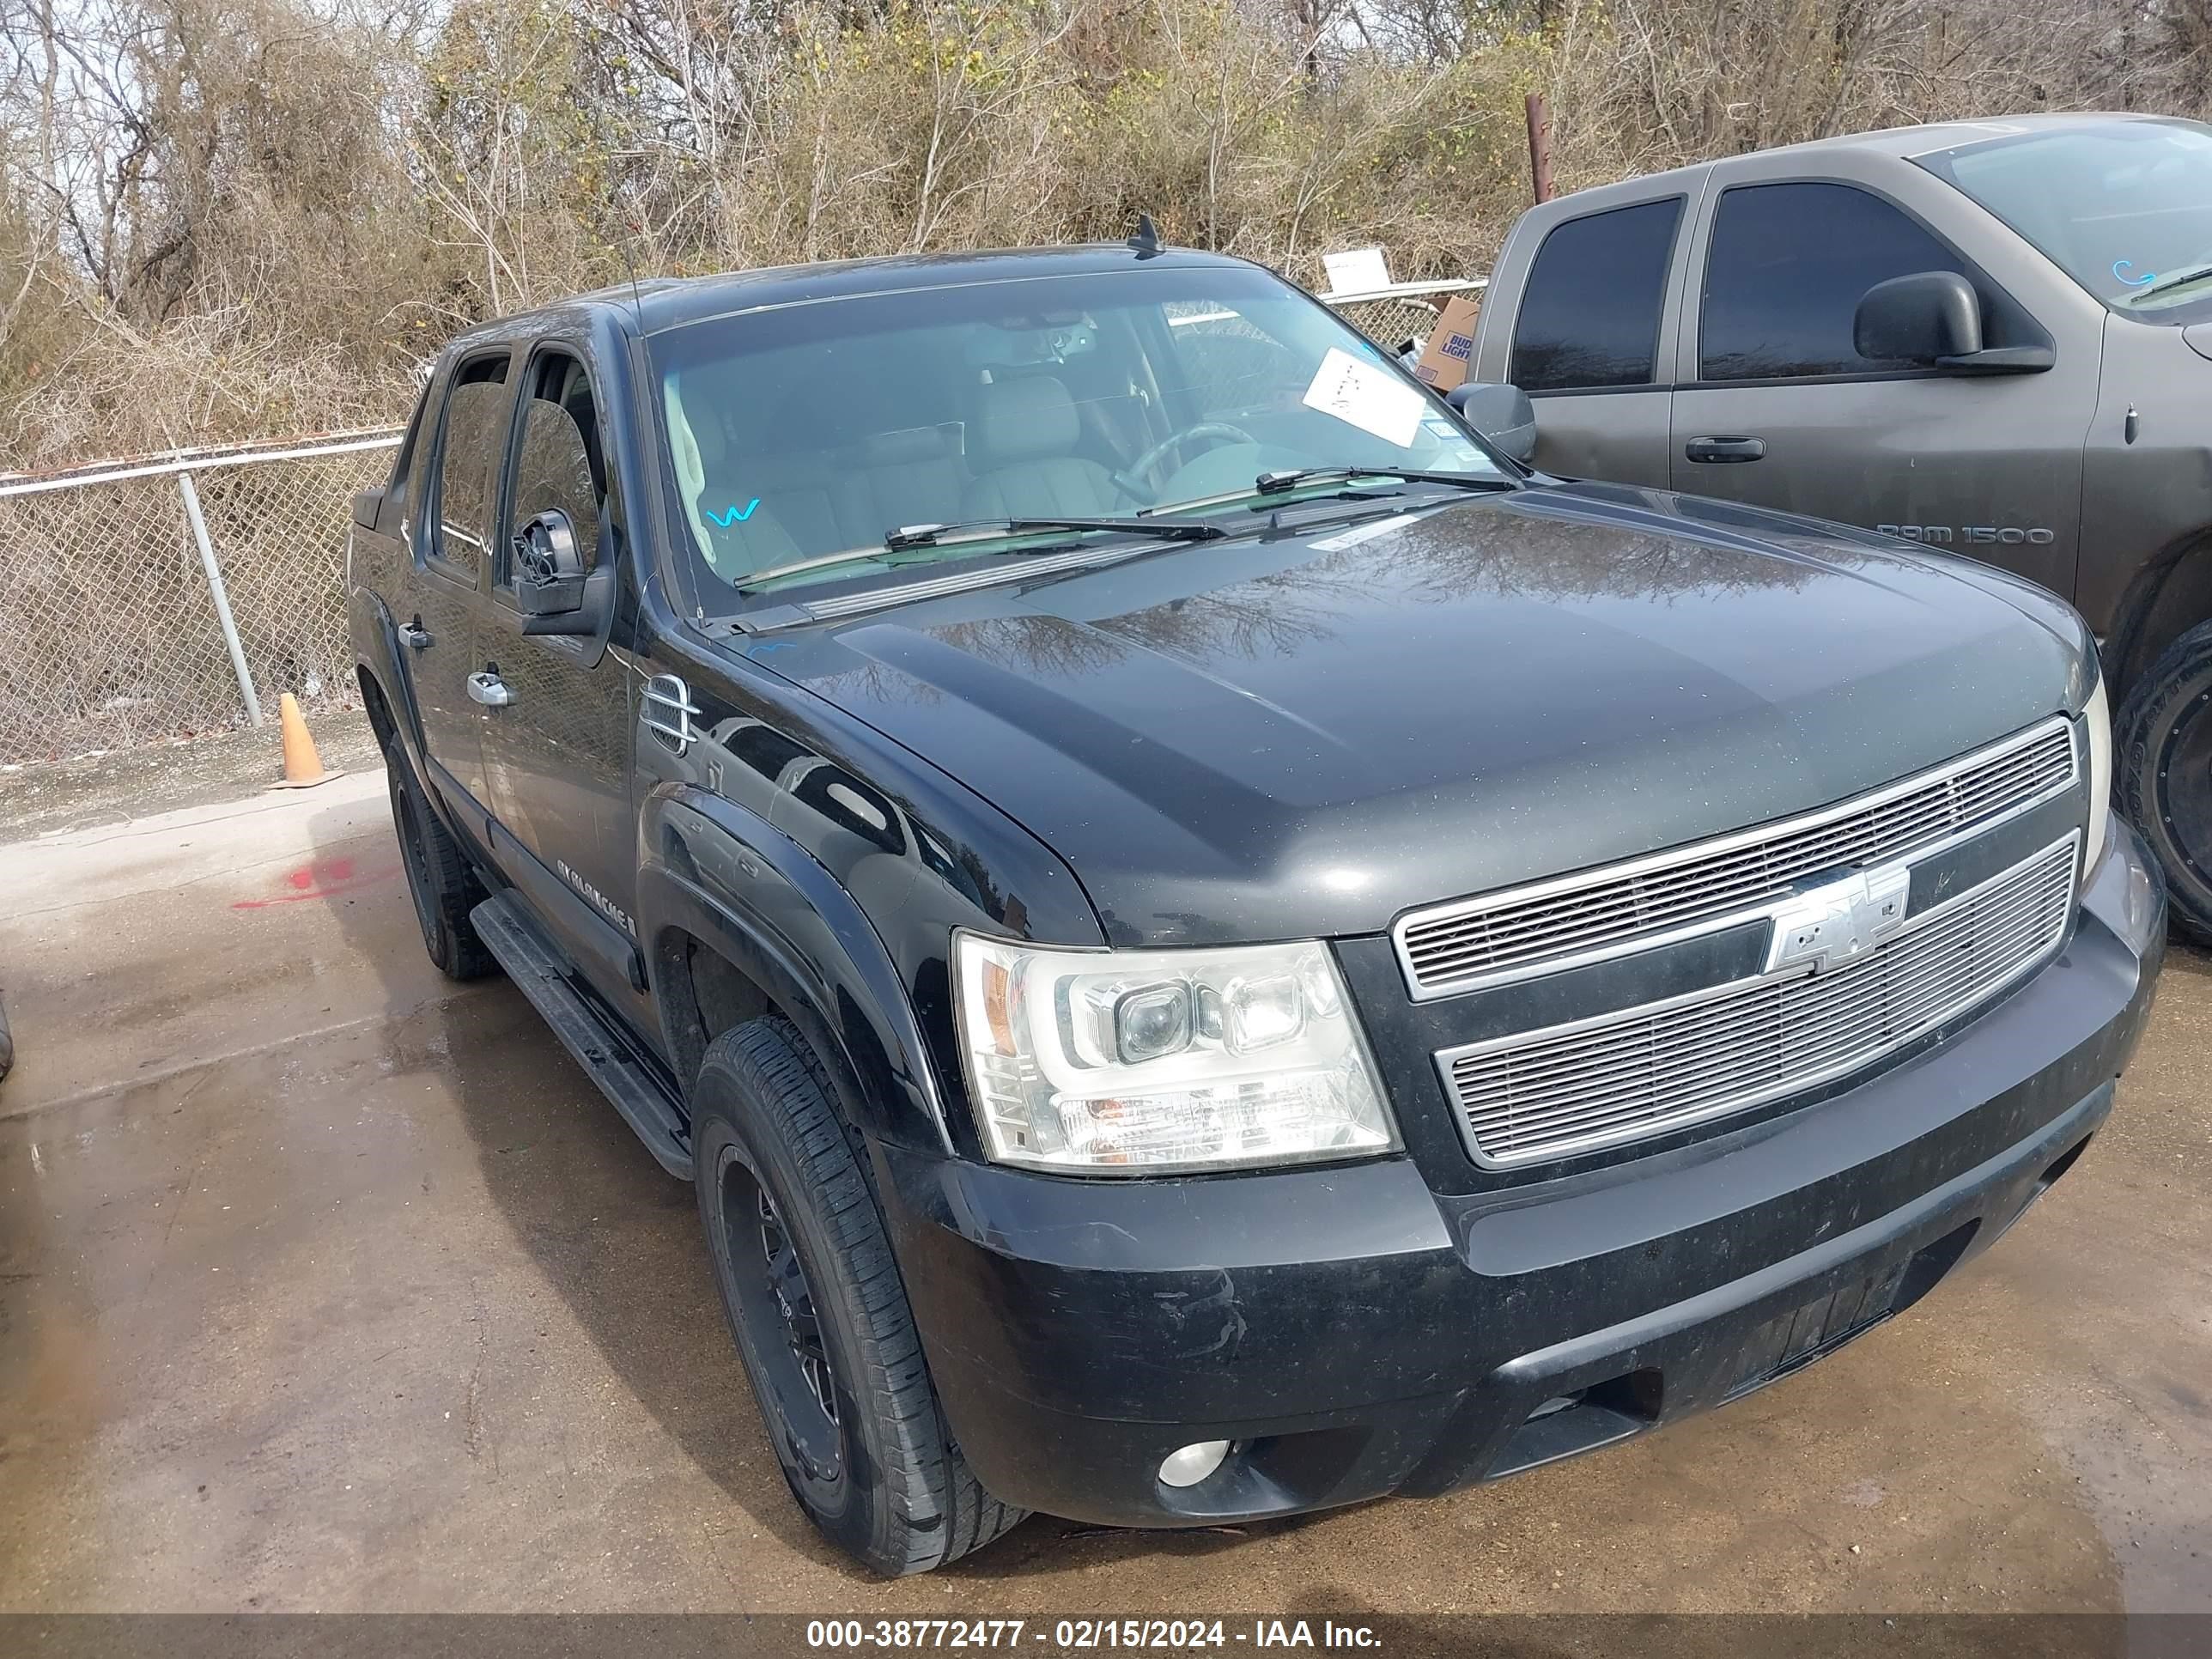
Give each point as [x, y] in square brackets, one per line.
[804, 431]
[2124, 207]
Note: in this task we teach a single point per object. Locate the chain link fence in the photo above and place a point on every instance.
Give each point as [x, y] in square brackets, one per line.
[1406, 311]
[178, 595]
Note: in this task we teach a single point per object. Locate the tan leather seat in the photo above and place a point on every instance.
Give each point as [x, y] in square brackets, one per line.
[734, 546]
[1027, 431]
[818, 488]
[737, 546]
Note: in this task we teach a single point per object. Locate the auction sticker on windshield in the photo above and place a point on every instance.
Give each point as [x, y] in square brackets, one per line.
[1367, 397]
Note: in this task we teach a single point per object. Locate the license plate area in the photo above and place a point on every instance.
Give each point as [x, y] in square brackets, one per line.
[1793, 1340]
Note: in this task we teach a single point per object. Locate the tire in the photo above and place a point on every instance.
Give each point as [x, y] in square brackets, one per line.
[444, 888]
[2162, 774]
[819, 1314]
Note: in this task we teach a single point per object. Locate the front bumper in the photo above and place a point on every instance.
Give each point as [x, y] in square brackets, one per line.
[1356, 1333]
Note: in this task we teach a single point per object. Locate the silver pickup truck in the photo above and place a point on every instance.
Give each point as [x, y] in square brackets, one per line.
[1991, 338]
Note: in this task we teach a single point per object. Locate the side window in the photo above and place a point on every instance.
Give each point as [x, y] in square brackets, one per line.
[467, 444]
[558, 463]
[1785, 272]
[1589, 315]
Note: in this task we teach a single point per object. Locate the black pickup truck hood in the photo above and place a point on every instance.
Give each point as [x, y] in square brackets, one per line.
[1305, 735]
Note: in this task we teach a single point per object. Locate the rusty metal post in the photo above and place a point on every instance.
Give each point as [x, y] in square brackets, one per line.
[1539, 146]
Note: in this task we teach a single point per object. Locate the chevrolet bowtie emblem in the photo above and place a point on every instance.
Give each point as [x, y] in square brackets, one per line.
[1838, 922]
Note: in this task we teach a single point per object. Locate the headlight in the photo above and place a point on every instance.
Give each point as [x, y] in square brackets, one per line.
[1140, 1062]
[2097, 717]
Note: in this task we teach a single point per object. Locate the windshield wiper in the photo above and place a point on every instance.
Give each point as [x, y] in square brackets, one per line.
[1274, 483]
[2179, 279]
[939, 535]
[944, 535]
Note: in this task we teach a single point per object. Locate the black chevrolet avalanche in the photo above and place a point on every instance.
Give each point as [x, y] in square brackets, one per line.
[1212, 945]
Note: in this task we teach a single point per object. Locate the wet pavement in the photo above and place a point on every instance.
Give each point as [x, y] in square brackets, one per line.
[327, 1285]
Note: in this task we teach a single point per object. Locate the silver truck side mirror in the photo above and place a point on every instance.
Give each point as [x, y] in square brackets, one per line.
[1499, 412]
[1920, 318]
[1933, 319]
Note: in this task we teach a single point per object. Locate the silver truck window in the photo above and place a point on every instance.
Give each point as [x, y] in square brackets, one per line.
[1589, 315]
[1785, 272]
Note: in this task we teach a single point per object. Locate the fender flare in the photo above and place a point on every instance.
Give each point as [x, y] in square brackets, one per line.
[2128, 655]
[723, 874]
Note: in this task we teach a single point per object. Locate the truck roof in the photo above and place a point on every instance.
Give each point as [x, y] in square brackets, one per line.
[1932, 136]
[1926, 138]
[655, 303]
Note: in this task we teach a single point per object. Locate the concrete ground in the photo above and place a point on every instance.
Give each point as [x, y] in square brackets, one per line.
[327, 1285]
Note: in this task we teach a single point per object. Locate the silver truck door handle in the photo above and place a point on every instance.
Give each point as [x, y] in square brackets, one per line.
[488, 689]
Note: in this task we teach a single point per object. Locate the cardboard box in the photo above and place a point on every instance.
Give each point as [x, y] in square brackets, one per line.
[1445, 359]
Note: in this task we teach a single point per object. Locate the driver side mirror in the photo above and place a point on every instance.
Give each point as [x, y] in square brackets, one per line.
[1933, 319]
[548, 570]
[1499, 412]
[1921, 318]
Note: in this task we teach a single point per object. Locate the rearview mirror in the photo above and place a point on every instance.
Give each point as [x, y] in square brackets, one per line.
[1501, 413]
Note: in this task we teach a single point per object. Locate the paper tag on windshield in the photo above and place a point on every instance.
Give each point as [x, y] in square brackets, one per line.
[1368, 396]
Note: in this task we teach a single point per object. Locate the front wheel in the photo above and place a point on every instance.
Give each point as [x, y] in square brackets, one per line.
[820, 1314]
[2162, 773]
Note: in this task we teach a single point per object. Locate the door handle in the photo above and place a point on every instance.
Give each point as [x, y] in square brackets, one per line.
[416, 636]
[488, 689]
[1724, 449]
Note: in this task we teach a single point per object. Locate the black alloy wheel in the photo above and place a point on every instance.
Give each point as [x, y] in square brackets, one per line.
[783, 1328]
[814, 1301]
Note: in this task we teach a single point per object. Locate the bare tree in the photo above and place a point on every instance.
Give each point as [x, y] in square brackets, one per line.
[230, 215]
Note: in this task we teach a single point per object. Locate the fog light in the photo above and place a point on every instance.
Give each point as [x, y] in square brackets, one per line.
[1188, 1465]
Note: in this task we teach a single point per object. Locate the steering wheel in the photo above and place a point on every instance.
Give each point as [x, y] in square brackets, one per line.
[1132, 482]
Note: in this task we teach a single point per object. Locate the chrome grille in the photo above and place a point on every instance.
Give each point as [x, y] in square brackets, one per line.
[1549, 1093]
[1542, 928]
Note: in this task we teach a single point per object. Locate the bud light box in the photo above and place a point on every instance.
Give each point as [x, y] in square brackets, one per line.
[1445, 359]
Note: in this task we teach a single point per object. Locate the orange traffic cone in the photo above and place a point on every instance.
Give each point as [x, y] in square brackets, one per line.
[303, 767]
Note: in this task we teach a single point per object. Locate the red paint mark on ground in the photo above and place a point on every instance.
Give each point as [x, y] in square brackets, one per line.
[320, 879]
